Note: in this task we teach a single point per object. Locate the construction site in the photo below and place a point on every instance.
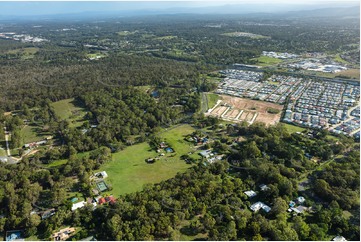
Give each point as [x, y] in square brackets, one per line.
[236, 109]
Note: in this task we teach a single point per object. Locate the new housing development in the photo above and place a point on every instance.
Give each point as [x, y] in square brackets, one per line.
[331, 104]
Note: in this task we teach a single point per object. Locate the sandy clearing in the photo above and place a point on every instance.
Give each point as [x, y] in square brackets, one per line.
[250, 108]
[219, 110]
[232, 113]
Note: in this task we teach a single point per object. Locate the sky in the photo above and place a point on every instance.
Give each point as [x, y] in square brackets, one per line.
[21, 8]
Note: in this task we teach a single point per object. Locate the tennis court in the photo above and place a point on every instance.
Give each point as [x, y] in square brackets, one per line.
[102, 186]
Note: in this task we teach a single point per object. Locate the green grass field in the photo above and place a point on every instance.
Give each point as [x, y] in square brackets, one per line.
[56, 163]
[143, 88]
[67, 110]
[245, 34]
[212, 99]
[29, 134]
[293, 129]
[25, 53]
[2, 152]
[340, 60]
[96, 55]
[128, 172]
[274, 83]
[352, 73]
[165, 37]
[266, 61]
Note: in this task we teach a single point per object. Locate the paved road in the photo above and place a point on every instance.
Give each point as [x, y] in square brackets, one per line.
[350, 118]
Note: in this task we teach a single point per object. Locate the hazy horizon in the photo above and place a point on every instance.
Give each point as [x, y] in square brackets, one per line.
[33, 8]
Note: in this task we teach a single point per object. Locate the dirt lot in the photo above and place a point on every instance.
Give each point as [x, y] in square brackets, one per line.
[232, 113]
[250, 116]
[219, 110]
[250, 108]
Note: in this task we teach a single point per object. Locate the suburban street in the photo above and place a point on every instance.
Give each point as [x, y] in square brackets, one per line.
[349, 119]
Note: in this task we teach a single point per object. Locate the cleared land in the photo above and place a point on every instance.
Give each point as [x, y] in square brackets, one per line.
[250, 108]
[219, 110]
[25, 53]
[245, 34]
[128, 172]
[143, 88]
[293, 129]
[340, 60]
[250, 116]
[68, 109]
[96, 55]
[266, 61]
[232, 113]
[165, 37]
[212, 99]
[30, 133]
[352, 73]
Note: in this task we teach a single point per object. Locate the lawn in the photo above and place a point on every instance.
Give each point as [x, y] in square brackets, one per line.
[128, 172]
[67, 109]
[266, 61]
[29, 134]
[293, 129]
[212, 99]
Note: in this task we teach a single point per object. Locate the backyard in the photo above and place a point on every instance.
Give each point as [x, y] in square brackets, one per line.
[128, 172]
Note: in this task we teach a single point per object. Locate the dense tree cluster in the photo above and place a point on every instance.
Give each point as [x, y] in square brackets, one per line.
[152, 77]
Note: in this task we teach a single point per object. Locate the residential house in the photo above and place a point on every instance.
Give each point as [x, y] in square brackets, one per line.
[78, 205]
[339, 238]
[250, 193]
[260, 205]
[63, 234]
